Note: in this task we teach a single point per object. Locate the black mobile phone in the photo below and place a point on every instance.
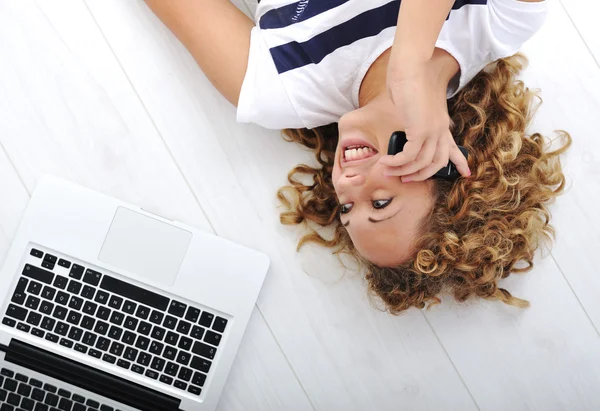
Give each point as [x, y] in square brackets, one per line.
[396, 145]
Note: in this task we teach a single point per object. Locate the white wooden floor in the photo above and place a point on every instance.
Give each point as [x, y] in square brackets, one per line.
[99, 92]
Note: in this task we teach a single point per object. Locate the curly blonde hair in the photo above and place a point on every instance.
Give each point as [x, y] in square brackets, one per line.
[480, 228]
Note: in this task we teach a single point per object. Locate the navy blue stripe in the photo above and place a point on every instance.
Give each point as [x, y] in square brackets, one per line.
[296, 12]
[293, 55]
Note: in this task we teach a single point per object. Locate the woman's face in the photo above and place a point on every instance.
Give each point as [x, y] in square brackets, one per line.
[381, 214]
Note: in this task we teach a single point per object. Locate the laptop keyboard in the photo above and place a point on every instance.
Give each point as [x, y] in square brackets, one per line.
[117, 322]
[19, 392]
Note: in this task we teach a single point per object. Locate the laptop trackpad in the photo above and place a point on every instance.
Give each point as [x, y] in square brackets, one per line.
[145, 246]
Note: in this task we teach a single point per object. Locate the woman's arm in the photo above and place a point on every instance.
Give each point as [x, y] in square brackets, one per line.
[217, 35]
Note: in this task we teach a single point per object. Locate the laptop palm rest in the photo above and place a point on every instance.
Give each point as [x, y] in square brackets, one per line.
[145, 246]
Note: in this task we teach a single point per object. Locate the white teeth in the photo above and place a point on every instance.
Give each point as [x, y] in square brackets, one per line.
[358, 153]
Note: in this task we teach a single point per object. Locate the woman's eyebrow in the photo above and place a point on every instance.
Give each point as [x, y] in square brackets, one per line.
[372, 220]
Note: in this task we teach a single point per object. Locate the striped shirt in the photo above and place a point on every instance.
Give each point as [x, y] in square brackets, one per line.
[308, 57]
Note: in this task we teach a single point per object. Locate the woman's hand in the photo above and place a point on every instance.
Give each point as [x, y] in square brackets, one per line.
[419, 95]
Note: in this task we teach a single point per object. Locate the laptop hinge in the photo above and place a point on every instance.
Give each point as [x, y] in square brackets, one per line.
[89, 378]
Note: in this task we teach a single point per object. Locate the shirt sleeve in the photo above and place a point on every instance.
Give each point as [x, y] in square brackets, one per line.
[263, 99]
[479, 35]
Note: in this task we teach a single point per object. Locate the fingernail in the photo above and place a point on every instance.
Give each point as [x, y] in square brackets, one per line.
[406, 180]
[468, 172]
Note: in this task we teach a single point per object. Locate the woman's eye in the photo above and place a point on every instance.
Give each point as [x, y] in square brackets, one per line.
[379, 204]
[345, 208]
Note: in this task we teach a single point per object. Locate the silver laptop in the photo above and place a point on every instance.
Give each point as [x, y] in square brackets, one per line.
[107, 307]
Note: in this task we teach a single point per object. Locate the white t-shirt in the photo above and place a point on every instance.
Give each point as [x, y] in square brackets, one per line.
[308, 58]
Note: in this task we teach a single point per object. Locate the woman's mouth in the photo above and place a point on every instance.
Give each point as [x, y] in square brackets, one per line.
[358, 152]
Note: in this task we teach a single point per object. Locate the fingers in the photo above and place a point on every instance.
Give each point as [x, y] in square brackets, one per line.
[423, 159]
[460, 161]
[440, 161]
[409, 153]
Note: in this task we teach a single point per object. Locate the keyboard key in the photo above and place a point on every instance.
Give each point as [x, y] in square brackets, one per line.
[32, 302]
[158, 364]
[60, 312]
[115, 302]
[204, 350]
[10, 385]
[185, 343]
[38, 333]
[36, 383]
[106, 408]
[123, 364]
[18, 297]
[75, 333]
[79, 407]
[48, 265]
[95, 353]
[117, 348]
[180, 384]
[27, 404]
[197, 332]
[128, 338]
[65, 404]
[101, 297]
[131, 323]
[38, 394]
[64, 393]
[92, 277]
[48, 292]
[61, 328]
[74, 287]
[46, 307]
[23, 327]
[88, 322]
[151, 374]
[165, 379]
[88, 292]
[89, 308]
[185, 374]
[170, 352]
[22, 378]
[115, 332]
[89, 338]
[7, 373]
[177, 308]
[64, 263]
[212, 338]
[130, 354]
[200, 364]
[103, 343]
[109, 358]
[142, 312]
[171, 369]
[81, 348]
[192, 314]
[170, 322]
[199, 379]
[13, 399]
[60, 282]
[172, 338]
[34, 287]
[144, 328]
[117, 317]
[220, 324]
[134, 293]
[38, 274]
[76, 303]
[76, 272]
[36, 253]
[66, 343]
[142, 343]
[103, 313]
[156, 348]
[156, 317]
[34, 318]
[129, 307]
[137, 369]
[51, 399]
[50, 258]
[21, 285]
[9, 322]
[183, 327]
[74, 317]
[50, 388]
[194, 390]
[78, 398]
[206, 319]
[62, 298]
[158, 333]
[101, 327]
[92, 404]
[183, 358]
[51, 337]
